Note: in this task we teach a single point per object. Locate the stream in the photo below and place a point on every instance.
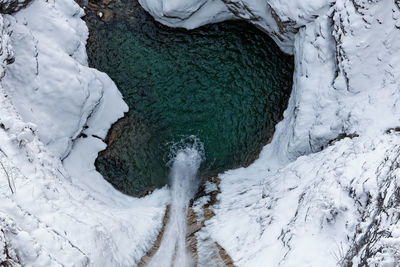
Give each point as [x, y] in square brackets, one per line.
[225, 84]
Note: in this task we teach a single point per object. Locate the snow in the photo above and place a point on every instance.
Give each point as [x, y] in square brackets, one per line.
[51, 213]
[41, 73]
[209, 187]
[194, 13]
[198, 208]
[303, 214]
[310, 199]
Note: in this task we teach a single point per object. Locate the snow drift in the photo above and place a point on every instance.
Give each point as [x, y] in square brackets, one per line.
[324, 191]
[55, 213]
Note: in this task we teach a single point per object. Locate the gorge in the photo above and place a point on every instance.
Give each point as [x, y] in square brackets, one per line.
[227, 84]
[322, 192]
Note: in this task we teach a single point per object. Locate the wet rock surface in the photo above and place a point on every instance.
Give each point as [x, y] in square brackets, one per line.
[198, 215]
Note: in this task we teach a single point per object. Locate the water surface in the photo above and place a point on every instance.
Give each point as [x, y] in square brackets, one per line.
[227, 84]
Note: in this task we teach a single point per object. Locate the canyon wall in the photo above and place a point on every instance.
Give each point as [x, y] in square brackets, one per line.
[54, 212]
[323, 192]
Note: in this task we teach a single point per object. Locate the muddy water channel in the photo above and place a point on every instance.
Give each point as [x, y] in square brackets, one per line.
[226, 84]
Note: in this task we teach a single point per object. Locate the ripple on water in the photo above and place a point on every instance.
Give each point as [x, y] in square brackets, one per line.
[228, 84]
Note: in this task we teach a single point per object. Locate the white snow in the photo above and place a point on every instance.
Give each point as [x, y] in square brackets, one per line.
[296, 206]
[195, 13]
[307, 201]
[53, 214]
[304, 214]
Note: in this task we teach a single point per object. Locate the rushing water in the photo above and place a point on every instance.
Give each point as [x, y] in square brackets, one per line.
[227, 84]
[183, 179]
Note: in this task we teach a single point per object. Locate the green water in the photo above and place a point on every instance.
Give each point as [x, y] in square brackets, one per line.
[227, 84]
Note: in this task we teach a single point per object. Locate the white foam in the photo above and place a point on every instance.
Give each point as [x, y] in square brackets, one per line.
[184, 184]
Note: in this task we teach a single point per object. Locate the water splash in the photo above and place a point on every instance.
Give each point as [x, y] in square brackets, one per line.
[184, 169]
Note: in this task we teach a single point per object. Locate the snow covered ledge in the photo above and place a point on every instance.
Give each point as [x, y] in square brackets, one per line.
[345, 83]
[345, 74]
[300, 27]
[55, 212]
[315, 197]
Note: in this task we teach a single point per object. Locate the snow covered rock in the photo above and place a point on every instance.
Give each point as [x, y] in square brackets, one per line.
[312, 199]
[55, 214]
[323, 192]
[11, 6]
[50, 72]
[345, 70]
[319, 210]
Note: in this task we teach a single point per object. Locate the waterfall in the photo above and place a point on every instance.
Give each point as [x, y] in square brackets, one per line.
[183, 175]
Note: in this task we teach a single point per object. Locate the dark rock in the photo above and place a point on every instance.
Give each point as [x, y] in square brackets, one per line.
[11, 6]
[94, 6]
[106, 15]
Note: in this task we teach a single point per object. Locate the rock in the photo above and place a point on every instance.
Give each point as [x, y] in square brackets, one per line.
[106, 15]
[94, 6]
[9, 7]
[150, 253]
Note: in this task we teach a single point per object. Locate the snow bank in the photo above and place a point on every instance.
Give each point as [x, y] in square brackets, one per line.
[51, 74]
[345, 72]
[310, 200]
[280, 19]
[53, 214]
[308, 212]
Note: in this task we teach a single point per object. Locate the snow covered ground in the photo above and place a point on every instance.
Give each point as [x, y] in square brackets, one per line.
[55, 213]
[313, 198]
